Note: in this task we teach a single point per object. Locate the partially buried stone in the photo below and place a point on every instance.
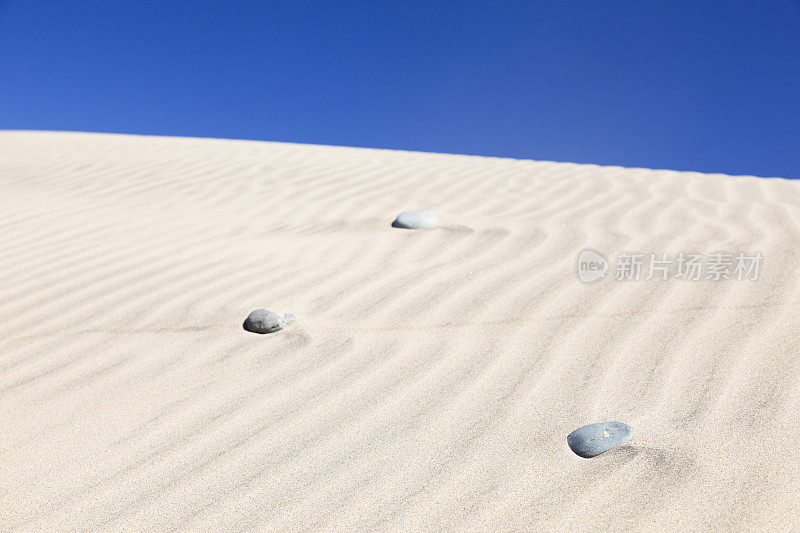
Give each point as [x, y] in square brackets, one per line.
[415, 220]
[263, 321]
[594, 439]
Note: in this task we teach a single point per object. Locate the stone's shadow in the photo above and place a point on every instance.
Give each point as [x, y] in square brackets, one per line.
[650, 468]
[457, 229]
[630, 451]
[654, 457]
[628, 477]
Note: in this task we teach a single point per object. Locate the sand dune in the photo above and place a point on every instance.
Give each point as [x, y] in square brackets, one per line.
[431, 377]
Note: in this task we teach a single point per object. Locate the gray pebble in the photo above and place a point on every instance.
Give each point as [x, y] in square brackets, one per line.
[263, 321]
[415, 220]
[594, 439]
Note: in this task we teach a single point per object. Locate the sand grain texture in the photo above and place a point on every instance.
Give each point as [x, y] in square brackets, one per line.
[432, 376]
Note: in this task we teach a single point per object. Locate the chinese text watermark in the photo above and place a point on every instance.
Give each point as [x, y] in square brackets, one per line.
[717, 266]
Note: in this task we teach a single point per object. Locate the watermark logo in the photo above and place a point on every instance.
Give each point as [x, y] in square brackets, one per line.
[591, 266]
[718, 266]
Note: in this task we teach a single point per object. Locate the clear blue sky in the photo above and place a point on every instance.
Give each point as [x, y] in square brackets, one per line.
[688, 85]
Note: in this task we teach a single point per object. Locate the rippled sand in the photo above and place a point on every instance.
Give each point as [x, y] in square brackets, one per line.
[431, 377]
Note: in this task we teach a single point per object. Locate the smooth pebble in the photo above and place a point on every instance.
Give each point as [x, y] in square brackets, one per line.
[263, 321]
[415, 220]
[594, 439]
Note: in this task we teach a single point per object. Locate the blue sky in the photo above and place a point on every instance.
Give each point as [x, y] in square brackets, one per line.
[707, 86]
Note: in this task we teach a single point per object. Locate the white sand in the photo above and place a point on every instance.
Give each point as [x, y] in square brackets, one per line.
[431, 377]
